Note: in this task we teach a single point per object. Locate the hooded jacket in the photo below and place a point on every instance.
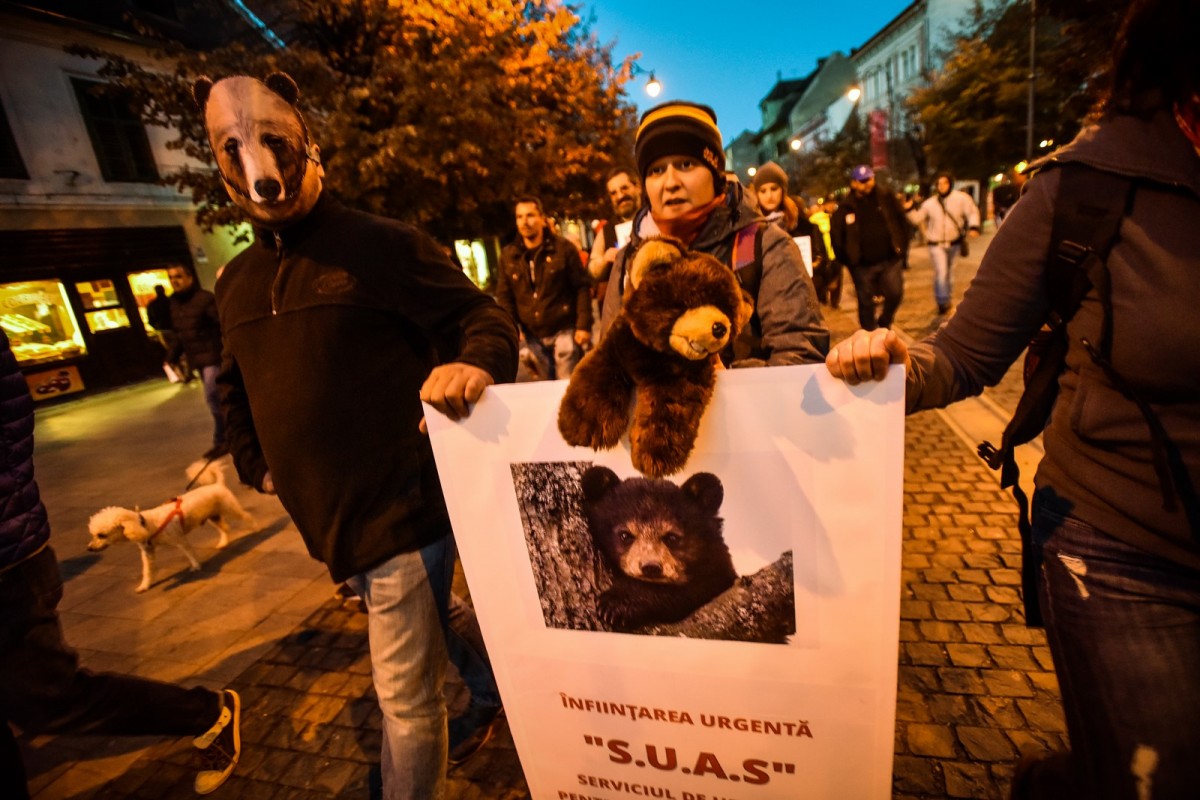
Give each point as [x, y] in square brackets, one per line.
[787, 327]
[24, 527]
[330, 329]
[1098, 464]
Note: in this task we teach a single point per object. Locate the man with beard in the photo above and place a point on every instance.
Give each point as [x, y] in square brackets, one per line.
[331, 321]
[869, 236]
[544, 286]
[625, 193]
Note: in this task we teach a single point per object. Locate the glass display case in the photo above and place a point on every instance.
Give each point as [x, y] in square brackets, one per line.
[39, 322]
[101, 305]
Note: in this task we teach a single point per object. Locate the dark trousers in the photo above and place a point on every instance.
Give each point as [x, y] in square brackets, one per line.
[882, 279]
[44, 690]
[1124, 631]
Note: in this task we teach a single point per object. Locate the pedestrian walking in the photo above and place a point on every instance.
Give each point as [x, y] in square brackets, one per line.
[43, 690]
[679, 156]
[949, 219]
[545, 288]
[197, 333]
[1115, 539]
[331, 321]
[774, 203]
[869, 235]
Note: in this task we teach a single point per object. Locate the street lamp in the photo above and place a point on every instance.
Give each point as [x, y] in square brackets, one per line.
[752, 171]
[854, 93]
[797, 144]
[653, 85]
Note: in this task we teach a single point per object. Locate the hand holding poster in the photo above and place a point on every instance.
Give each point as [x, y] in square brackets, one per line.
[728, 632]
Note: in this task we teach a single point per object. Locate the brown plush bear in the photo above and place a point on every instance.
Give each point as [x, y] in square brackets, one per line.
[681, 308]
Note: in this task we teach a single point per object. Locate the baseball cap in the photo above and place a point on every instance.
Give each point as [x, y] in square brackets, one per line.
[862, 173]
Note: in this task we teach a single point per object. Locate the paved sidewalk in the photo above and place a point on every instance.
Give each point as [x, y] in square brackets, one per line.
[976, 686]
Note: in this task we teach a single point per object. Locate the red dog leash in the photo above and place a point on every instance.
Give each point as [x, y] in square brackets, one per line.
[177, 511]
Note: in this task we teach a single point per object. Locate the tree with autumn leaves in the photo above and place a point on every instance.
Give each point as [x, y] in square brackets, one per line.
[436, 112]
[973, 112]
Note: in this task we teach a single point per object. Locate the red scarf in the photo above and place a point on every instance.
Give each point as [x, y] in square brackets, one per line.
[687, 227]
[1187, 117]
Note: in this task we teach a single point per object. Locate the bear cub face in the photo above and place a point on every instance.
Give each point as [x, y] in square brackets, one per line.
[663, 545]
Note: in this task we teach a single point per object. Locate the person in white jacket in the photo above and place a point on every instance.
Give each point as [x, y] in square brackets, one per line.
[949, 216]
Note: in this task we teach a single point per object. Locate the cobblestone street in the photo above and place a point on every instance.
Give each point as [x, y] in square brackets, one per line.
[976, 687]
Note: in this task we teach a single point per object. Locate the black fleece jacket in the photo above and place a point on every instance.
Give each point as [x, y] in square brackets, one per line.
[330, 329]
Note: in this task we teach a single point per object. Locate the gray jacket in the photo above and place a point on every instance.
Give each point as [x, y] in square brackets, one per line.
[946, 219]
[787, 327]
[1098, 464]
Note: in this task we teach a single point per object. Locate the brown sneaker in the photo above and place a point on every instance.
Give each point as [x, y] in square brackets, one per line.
[220, 746]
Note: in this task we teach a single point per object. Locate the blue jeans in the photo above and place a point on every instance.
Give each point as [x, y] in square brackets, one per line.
[942, 256]
[558, 351]
[1124, 630]
[406, 599]
[208, 377]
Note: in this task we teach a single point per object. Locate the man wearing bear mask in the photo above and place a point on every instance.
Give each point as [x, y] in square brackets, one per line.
[330, 321]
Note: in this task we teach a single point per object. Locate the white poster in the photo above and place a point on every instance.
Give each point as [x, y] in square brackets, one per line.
[805, 245]
[729, 632]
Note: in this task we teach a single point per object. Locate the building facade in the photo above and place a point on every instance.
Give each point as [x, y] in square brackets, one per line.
[86, 228]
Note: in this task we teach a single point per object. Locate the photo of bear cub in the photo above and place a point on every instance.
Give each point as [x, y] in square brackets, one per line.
[663, 545]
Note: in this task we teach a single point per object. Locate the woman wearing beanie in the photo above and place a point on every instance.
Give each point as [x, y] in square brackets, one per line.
[681, 162]
[776, 205]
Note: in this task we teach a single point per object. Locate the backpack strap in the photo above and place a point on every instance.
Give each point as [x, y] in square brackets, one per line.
[746, 258]
[1087, 217]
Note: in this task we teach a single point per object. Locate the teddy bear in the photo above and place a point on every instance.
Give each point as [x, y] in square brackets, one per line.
[680, 310]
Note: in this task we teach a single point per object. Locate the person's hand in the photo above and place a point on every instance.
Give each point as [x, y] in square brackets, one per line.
[973, 233]
[583, 338]
[865, 356]
[268, 485]
[452, 388]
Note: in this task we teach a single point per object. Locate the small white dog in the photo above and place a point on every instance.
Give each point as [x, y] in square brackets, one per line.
[170, 522]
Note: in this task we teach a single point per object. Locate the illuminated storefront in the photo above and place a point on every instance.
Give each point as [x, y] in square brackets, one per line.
[73, 304]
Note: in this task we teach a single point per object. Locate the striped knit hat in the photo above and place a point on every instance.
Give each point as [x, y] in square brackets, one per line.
[679, 128]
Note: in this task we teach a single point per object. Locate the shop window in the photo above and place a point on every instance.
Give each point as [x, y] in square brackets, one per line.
[101, 305]
[39, 322]
[117, 134]
[11, 163]
[142, 284]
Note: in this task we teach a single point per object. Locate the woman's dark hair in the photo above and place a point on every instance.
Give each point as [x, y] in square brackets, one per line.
[1156, 61]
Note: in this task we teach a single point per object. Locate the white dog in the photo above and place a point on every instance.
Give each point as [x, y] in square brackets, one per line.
[170, 522]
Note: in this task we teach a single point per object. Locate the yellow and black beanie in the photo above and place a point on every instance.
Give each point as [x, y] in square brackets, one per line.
[679, 128]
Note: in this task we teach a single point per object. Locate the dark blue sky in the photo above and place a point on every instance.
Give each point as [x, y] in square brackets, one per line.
[727, 54]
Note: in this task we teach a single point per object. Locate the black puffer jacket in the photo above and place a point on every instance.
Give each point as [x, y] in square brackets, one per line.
[194, 320]
[24, 529]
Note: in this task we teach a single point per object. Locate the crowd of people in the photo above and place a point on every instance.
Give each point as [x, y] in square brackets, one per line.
[1115, 543]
